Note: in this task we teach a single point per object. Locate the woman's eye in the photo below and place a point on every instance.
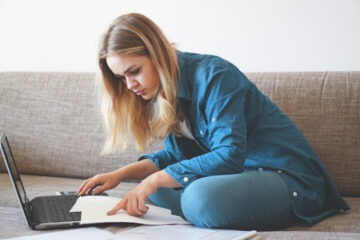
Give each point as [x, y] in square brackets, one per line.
[136, 71]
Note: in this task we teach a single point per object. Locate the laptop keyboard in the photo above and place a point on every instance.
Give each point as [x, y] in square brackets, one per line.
[59, 207]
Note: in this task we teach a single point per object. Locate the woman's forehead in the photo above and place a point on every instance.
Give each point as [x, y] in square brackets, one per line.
[119, 63]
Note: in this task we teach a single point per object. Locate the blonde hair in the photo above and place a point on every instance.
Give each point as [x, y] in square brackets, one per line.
[123, 113]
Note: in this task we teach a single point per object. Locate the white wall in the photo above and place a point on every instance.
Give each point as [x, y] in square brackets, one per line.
[256, 35]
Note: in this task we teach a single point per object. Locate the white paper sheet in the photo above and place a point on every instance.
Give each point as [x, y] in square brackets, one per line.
[89, 233]
[181, 232]
[94, 210]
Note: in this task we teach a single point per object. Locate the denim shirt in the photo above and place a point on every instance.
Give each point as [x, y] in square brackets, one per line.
[237, 128]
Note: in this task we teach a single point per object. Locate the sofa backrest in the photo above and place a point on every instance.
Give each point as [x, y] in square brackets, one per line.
[53, 126]
[326, 108]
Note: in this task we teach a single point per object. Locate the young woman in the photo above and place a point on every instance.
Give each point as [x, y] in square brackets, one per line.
[232, 158]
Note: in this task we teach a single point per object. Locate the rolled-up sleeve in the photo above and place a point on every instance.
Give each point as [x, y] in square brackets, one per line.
[163, 158]
[223, 100]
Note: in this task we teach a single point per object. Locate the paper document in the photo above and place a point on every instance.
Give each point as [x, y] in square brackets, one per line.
[94, 210]
[181, 232]
[89, 233]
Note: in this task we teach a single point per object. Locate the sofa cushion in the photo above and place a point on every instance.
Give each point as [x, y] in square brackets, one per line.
[342, 222]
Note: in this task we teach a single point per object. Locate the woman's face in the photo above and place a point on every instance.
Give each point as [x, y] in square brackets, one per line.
[138, 73]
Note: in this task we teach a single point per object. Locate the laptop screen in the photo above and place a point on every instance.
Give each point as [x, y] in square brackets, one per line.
[12, 170]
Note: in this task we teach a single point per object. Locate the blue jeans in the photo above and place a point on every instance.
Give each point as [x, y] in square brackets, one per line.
[252, 200]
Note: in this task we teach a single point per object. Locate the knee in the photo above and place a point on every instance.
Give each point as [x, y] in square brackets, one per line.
[196, 204]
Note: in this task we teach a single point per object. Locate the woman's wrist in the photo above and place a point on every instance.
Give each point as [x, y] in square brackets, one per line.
[163, 179]
[119, 174]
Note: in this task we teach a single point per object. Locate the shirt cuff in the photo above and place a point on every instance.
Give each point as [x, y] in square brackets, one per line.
[152, 157]
[184, 179]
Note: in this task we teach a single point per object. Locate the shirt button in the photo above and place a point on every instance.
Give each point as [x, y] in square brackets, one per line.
[295, 194]
[279, 171]
[261, 169]
[201, 132]
[186, 179]
[213, 119]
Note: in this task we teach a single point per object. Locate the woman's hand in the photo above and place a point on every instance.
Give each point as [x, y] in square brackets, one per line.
[134, 201]
[105, 181]
[101, 182]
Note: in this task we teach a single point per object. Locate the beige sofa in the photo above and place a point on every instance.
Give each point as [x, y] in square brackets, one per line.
[53, 126]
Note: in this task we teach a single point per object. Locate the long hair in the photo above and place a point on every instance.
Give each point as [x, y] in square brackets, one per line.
[126, 116]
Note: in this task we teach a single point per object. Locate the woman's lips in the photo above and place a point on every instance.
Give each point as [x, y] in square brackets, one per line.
[140, 92]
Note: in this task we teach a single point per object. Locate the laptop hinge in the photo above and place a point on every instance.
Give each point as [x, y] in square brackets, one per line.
[29, 212]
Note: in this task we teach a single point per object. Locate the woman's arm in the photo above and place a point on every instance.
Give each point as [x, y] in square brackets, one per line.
[137, 170]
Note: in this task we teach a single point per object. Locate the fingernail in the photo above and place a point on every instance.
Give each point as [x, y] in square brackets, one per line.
[108, 213]
[93, 193]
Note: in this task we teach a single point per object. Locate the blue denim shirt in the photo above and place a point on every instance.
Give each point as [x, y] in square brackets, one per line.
[237, 128]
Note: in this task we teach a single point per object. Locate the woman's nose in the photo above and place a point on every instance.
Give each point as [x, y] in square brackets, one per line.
[131, 83]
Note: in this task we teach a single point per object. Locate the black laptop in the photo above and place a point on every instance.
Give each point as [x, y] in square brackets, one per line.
[44, 212]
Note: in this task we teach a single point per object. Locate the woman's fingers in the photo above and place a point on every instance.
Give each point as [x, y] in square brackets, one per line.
[120, 205]
[131, 205]
[83, 185]
[104, 181]
[136, 205]
[141, 205]
[89, 186]
[135, 211]
[100, 189]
